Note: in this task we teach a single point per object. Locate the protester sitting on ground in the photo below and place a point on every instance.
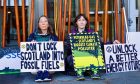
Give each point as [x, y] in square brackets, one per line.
[43, 33]
[80, 26]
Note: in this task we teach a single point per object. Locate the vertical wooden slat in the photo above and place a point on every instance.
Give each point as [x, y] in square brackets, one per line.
[69, 16]
[108, 27]
[96, 17]
[122, 26]
[116, 20]
[23, 20]
[56, 16]
[87, 12]
[45, 7]
[65, 10]
[105, 21]
[17, 21]
[60, 19]
[32, 16]
[81, 7]
[4, 24]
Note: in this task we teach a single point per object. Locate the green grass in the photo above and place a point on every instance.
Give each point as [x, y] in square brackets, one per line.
[15, 72]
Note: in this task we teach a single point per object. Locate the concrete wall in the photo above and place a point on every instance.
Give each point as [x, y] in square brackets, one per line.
[139, 15]
[132, 14]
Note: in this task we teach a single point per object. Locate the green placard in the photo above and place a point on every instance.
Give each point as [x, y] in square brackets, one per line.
[86, 50]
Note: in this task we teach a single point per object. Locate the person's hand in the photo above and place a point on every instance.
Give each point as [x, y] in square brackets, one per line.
[116, 42]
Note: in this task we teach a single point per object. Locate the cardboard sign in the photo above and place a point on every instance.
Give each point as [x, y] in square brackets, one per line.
[122, 58]
[42, 56]
[86, 50]
[10, 63]
[134, 39]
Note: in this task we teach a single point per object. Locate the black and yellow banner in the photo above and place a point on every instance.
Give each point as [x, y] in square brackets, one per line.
[86, 50]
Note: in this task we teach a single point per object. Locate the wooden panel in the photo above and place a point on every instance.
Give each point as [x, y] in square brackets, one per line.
[105, 21]
[122, 26]
[96, 17]
[32, 16]
[88, 11]
[81, 7]
[23, 21]
[69, 16]
[56, 16]
[4, 24]
[60, 19]
[45, 7]
[64, 23]
[17, 21]
[116, 20]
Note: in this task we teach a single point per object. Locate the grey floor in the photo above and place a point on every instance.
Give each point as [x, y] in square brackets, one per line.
[59, 78]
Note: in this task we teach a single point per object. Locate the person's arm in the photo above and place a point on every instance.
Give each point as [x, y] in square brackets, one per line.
[31, 37]
[116, 42]
[67, 46]
[109, 42]
[55, 38]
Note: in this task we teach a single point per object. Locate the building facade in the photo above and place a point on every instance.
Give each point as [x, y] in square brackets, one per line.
[132, 8]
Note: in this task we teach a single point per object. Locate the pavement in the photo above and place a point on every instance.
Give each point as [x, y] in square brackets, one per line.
[60, 78]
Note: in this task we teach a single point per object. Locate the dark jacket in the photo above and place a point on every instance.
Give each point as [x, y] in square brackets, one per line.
[67, 40]
[69, 67]
[38, 37]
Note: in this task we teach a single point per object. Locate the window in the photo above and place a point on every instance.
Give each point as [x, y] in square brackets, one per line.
[136, 4]
[11, 2]
[137, 23]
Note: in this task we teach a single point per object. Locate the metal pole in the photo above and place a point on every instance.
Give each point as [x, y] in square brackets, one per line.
[126, 25]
